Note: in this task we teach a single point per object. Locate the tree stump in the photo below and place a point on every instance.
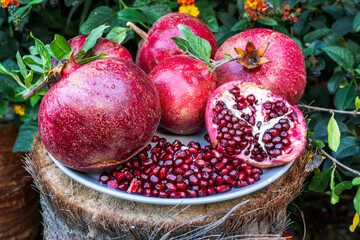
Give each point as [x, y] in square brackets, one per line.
[19, 202]
[72, 211]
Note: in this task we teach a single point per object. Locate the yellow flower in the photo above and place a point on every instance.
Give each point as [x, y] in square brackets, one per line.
[19, 110]
[355, 223]
[190, 9]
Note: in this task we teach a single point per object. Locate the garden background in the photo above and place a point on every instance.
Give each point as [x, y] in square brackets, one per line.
[327, 31]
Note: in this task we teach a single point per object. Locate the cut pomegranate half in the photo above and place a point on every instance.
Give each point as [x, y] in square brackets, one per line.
[255, 125]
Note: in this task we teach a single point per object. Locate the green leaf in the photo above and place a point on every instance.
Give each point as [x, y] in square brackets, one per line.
[348, 147]
[341, 56]
[339, 188]
[97, 17]
[34, 2]
[334, 197]
[155, 10]
[60, 47]
[25, 136]
[335, 10]
[345, 96]
[29, 78]
[357, 103]
[356, 23]
[334, 134]
[228, 56]
[320, 181]
[356, 201]
[132, 15]
[3, 70]
[240, 25]
[90, 59]
[21, 65]
[198, 46]
[315, 35]
[207, 15]
[3, 106]
[34, 63]
[335, 81]
[267, 21]
[117, 34]
[93, 37]
[34, 100]
[317, 144]
[343, 25]
[180, 43]
[44, 53]
[356, 181]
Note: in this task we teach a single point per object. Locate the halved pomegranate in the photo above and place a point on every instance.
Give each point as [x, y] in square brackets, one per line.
[255, 125]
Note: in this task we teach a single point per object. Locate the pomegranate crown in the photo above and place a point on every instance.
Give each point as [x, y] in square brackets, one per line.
[252, 58]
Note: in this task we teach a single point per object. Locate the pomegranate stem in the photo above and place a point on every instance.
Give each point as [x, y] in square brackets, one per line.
[319, 109]
[31, 92]
[136, 29]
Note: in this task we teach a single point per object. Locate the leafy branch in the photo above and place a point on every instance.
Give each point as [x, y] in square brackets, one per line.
[319, 109]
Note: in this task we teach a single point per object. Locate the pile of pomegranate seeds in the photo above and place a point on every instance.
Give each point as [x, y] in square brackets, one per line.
[175, 170]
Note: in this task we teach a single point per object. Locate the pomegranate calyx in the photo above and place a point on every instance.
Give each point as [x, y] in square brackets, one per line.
[250, 58]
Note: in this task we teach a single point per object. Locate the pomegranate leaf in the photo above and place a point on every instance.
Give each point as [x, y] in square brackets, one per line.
[197, 46]
[90, 59]
[117, 34]
[181, 43]
[334, 134]
[356, 181]
[131, 15]
[207, 15]
[21, 65]
[334, 197]
[29, 78]
[60, 47]
[356, 200]
[34, 63]
[317, 144]
[26, 136]
[43, 52]
[3, 106]
[93, 37]
[357, 103]
[345, 185]
[320, 181]
[3, 70]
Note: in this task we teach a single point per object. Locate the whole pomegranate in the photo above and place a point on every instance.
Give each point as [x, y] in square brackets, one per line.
[285, 74]
[99, 115]
[184, 86]
[251, 123]
[102, 45]
[158, 45]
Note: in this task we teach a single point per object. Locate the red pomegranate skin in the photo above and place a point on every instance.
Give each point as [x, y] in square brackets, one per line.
[102, 45]
[284, 75]
[159, 45]
[100, 115]
[184, 86]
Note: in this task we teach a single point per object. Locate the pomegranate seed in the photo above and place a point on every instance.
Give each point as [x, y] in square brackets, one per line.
[193, 180]
[171, 186]
[162, 194]
[221, 189]
[105, 178]
[211, 191]
[162, 173]
[250, 180]
[202, 192]
[219, 180]
[242, 184]
[191, 193]
[154, 179]
[123, 186]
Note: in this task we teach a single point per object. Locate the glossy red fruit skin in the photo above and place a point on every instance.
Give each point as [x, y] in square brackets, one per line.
[286, 73]
[297, 136]
[184, 86]
[159, 45]
[100, 115]
[102, 45]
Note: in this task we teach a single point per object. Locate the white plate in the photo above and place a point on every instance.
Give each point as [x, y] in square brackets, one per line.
[91, 180]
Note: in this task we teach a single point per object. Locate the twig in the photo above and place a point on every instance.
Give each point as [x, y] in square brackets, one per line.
[31, 92]
[138, 30]
[340, 164]
[319, 109]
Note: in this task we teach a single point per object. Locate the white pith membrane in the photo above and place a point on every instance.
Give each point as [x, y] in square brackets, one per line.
[296, 133]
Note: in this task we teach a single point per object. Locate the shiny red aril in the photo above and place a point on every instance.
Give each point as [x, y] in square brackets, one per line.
[275, 136]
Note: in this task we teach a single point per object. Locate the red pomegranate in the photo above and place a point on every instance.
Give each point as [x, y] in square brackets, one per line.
[158, 45]
[251, 123]
[100, 115]
[285, 74]
[184, 86]
[102, 45]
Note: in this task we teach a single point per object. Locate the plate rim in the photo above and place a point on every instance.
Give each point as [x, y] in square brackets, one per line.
[90, 183]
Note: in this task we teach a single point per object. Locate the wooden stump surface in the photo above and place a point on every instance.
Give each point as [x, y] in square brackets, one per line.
[73, 211]
[19, 202]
